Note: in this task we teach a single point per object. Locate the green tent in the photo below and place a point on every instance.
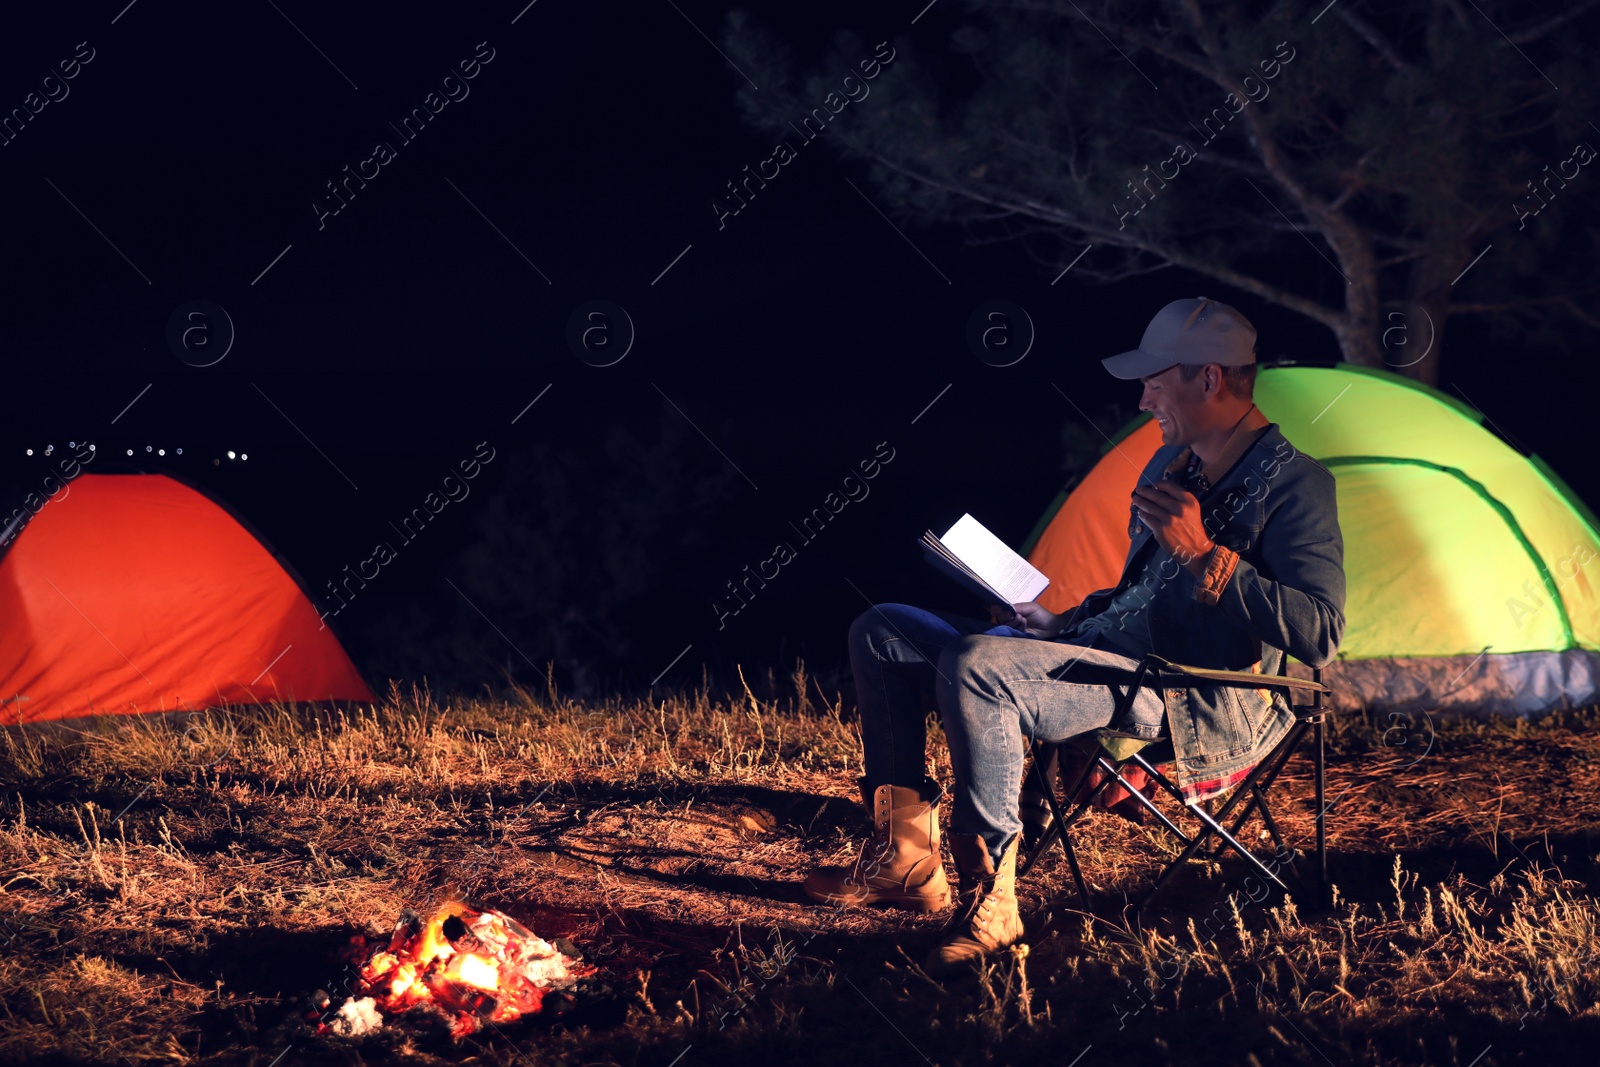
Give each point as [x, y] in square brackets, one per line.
[1471, 567]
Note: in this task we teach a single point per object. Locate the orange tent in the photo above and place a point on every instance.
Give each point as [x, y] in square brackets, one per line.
[135, 593]
[1084, 539]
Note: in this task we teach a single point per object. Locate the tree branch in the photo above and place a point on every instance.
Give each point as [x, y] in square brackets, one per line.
[1314, 207]
[1192, 63]
[1566, 299]
[1025, 205]
[1582, 315]
[1370, 34]
[1533, 33]
[1212, 155]
[1267, 149]
[1356, 184]
[1411, 245]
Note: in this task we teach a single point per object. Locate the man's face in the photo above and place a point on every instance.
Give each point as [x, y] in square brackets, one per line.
[1179, 406]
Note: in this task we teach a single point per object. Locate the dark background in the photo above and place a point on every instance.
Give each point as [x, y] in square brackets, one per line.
[408, 330]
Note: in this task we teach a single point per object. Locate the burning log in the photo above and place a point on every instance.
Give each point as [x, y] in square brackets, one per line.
[474, 967]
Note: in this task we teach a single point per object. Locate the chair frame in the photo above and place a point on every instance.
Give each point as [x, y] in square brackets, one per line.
[1252, 791]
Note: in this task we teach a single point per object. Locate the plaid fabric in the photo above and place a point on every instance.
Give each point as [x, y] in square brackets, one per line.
[1196, 792]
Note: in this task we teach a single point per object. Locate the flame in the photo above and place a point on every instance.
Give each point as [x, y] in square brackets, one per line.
[475, 966]
[475, 971]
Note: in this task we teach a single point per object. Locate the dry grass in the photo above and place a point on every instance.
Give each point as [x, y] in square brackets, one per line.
[172, 891]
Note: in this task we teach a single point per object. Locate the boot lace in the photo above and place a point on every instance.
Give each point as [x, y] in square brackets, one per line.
[876, 852]
[974, 903]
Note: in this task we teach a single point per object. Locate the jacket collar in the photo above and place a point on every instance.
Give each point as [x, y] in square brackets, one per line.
[1204, 477]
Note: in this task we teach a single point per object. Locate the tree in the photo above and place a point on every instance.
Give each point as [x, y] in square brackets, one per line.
[1348, 165]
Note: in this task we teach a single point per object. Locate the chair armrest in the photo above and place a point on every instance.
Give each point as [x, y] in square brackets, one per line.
[1237, 679]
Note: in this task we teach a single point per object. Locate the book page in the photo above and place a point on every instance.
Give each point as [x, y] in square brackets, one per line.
[944, 560]
[1013, 577]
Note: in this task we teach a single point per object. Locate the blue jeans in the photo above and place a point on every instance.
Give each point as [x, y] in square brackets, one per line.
[996, 688]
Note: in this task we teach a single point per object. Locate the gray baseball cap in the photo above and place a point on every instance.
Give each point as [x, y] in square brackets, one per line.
[1193, 330]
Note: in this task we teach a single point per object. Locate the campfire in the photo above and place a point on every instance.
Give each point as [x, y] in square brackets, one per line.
[472, 967]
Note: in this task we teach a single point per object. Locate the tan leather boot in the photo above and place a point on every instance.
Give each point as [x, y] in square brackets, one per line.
[986, 919]
[900, 863]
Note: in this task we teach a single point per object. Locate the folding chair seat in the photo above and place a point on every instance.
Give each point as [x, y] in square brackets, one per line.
[1112, 753]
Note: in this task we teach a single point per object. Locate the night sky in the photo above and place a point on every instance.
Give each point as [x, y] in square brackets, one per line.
[378, 346]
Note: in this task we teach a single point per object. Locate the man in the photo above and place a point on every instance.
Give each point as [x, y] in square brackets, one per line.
[1235, 558]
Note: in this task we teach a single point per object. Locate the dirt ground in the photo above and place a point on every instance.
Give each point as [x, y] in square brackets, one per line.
[175, 891]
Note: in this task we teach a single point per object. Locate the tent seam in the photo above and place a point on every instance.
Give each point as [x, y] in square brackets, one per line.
[1500, 509]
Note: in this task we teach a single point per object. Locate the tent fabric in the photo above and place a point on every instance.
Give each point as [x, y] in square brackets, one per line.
[1085, 544]
[1525, 684]
[135, 593]
[1460, 552]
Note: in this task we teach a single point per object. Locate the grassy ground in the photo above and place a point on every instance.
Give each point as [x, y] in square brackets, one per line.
[173, 892]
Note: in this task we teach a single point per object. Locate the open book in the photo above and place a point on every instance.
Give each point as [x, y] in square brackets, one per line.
[983, 563]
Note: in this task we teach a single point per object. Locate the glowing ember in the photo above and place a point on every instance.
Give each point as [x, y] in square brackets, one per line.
[473, 966]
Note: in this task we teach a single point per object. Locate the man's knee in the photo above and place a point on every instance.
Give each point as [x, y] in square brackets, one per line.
[861, 628]
[875, 625]
[966, 657]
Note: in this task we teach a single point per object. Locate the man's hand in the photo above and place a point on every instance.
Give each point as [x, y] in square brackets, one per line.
[1027, 616]
[1173, 515]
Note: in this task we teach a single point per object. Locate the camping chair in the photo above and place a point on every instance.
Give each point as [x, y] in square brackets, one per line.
[1111, 752]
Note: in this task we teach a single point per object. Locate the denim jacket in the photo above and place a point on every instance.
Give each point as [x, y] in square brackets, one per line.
[1276, 509]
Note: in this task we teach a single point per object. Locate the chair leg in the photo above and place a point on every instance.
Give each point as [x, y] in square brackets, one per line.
[1211, 827]
[1266, 818]
[1269, 766]
[1324, 887]
[1060, 822]
[1258, 804]
[1249, 857]
[1213, 824]
[1042, 784]
[1115, 770]
[1077, 872]
[1283, 752]
[1254, 790]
